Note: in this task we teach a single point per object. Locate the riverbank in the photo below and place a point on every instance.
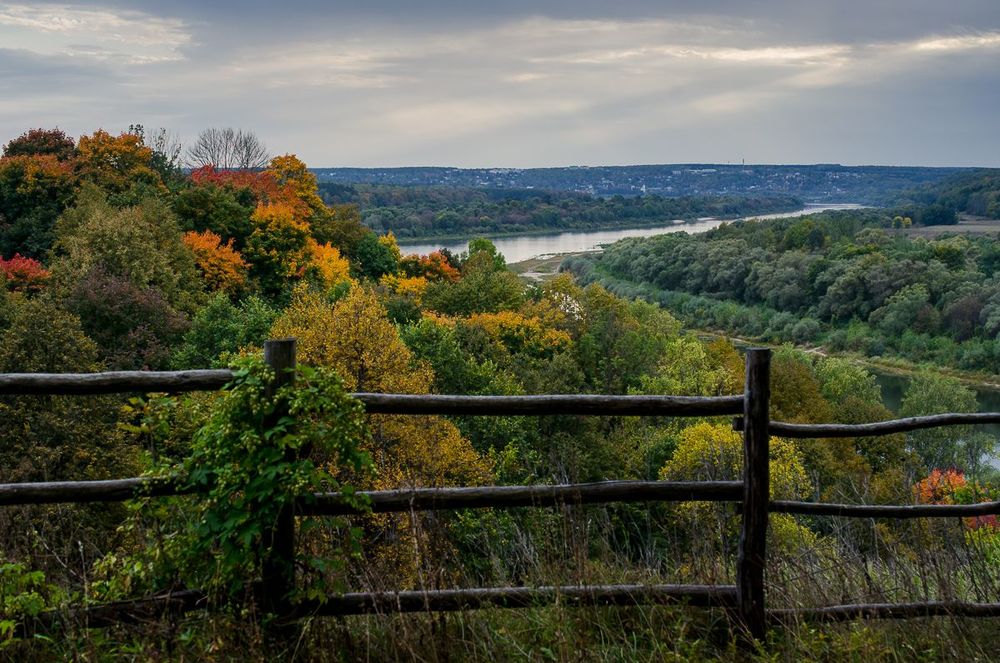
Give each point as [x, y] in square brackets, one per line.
[542, 268]
[883, 365]
[525, 246]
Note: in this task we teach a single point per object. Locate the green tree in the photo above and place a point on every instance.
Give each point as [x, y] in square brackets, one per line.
[947, 446]
[34, 191]
[141, 244]
[222, 328]
[482, 289]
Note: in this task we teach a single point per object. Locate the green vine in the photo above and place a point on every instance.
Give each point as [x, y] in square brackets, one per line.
[252, 455]
[255, 456]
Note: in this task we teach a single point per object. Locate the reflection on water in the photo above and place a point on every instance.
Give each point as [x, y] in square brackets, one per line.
[894, 388]
[523, 247]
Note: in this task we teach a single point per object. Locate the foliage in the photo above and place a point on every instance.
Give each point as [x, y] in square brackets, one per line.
[433, 267]
[221, 265]
[413, 212]
[42, 142]
[222, 329]
[278, 247]
[34, 191]
[252, 459]
[116, 163]
[948, 446]
[375, 258]
[222, 210]
[141, 244]
[23, 594]
[134, 327]
[22, 274]
[860, 289]
[482, 289]
[331, 267]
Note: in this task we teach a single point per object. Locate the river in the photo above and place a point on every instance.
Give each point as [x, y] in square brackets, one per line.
[518, 248]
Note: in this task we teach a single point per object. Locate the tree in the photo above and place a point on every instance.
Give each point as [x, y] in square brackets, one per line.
[374, 258]
[166, 150]
[141, 244]
[328, 264]
[222, 210]
[34, 191]
[56, 438]
[909, 308]
[341, 226]
[482, 289]
[116, 163]
[483, 245]
[947, 446]
[228, 149]
[222, 328]
[42, 142]
[355, 337]
[134, 327]
[278, 248]
[23, 274]
[221, 265]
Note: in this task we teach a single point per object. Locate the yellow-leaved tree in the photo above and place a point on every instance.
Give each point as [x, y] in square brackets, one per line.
[355, 337]
[331, 267]
[714, 452]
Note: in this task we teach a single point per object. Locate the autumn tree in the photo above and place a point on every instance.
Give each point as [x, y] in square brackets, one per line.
[433, 267]
[278, 247]
[221, 265]
[42, 142]
[116, 163]
[34, 191]
[714, 452]
[22, 274]
[326, 262]
[354, 337]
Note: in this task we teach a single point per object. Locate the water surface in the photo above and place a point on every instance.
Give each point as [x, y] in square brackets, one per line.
[517, 248]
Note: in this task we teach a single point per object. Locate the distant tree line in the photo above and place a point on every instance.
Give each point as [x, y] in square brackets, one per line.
[839, 278]
[976, 193]
[410, 212]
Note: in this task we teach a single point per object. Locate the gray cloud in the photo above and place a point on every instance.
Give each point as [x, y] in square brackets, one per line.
[522, 83]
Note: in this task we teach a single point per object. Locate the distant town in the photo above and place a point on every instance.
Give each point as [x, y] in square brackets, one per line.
[811, 183]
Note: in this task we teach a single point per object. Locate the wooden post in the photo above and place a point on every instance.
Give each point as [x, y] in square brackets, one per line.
[756, 494]
[278, 564]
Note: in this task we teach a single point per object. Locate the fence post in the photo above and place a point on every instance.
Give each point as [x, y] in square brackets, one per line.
[756, 493]
[278, 564]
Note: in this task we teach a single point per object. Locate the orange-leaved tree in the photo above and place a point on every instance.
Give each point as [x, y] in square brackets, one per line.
[222, 266]
[23, 274]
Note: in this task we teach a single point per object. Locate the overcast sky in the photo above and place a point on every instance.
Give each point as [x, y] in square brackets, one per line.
[522, 83]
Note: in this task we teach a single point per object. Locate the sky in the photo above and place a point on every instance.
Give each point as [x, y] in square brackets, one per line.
[519, 83]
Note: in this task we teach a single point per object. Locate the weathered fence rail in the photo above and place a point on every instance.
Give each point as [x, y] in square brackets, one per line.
[746, 599]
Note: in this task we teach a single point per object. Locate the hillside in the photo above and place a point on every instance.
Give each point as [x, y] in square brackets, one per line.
[811, 183]
[440, 211]
[254, 520]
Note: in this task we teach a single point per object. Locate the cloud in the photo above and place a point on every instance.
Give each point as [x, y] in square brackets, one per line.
[986, 41]
[129, 36]
[521, 83]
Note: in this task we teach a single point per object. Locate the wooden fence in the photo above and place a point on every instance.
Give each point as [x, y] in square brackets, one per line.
[746, 599]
